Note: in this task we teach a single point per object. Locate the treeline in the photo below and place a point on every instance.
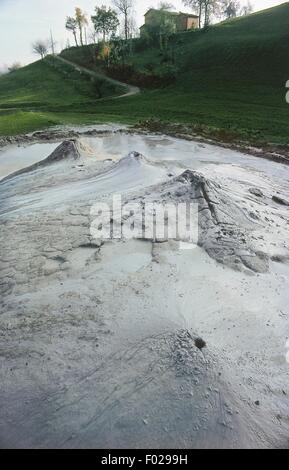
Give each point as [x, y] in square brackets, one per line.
[85, 29]
[107, 23]
[110, 31]
[118, 22]
[209, 10]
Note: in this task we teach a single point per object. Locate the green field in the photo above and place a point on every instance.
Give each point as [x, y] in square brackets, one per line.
[230, 78]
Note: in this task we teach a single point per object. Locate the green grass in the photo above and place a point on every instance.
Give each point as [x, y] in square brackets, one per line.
[38, 85]
[84, 56]
[19, 122]
[44, 94]
[231, 77]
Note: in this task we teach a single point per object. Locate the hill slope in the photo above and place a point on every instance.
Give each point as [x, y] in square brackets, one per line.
[231, 77]
[36, 96]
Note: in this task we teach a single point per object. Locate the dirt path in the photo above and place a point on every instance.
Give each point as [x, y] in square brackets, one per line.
[131, 90]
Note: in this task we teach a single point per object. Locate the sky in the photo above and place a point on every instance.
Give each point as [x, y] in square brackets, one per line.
[24, 21]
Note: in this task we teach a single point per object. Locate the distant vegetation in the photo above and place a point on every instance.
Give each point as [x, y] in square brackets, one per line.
[15, 66]
[41, 48]
[230, 76]
[47, 93]
[227, 78]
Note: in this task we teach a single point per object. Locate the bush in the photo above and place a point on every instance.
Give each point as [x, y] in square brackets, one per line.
[14, 67]
[165, 76]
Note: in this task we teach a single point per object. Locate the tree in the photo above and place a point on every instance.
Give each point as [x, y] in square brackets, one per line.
[197, 6]
[167, 29]
[163, 27]
[119, 52]
[15, 66]
[210, 8]
[232, 9]
[125, 7]
[71, 25]
[204, 8]
[247, 9]
[229, 8]
[132, 27]
[52, 43]
[105, 21]
[166, 6]
[104, 53]
[40, 47]
[92, 36]
[81, 21]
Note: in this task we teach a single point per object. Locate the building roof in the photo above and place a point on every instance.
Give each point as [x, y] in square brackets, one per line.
[173, 13]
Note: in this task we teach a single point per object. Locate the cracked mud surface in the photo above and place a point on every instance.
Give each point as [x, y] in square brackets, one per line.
[98, 337]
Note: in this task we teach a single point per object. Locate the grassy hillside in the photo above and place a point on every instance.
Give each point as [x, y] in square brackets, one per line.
[231, 77]
[47, 93]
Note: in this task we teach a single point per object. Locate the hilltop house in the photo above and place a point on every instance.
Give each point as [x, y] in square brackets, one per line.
[182, 21]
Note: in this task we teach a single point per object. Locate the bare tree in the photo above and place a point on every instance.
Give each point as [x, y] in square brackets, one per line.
[71, 25]
[197, 6]
[52, 43]
[14, 67]
[132, 27]
[166, 6]
[40, 47]
[210, 8]
[92, 35]
[125, 7]
[81, 21]
[230, 8]
[247, 9]
[204, 8]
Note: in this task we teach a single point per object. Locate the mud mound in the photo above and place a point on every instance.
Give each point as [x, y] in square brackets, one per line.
[97, 336]
[73, 149]
[135, 161]
[134, 399]
[224, 225]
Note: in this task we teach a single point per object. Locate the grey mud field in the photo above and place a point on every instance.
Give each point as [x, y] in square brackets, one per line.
[99, 338]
